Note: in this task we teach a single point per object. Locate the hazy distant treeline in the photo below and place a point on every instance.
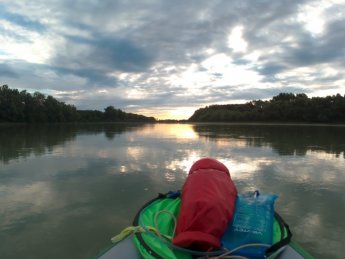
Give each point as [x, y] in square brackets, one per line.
[285, 107]
[22, 106]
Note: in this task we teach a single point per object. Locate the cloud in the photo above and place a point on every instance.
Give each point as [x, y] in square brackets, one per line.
[22, 20]
[13, 35]
[94, 77]
[167, 53]
[258, 93]
[104, 52]
[6, 71]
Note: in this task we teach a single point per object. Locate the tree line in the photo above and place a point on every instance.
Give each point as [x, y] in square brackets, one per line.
[23, 107]
[285, 107]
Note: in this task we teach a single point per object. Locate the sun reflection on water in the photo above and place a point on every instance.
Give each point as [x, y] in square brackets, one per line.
[178, 131]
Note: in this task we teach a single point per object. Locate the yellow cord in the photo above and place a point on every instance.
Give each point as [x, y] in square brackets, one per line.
[156, 223]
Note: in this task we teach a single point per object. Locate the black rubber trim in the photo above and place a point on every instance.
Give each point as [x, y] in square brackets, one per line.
[146, 246]
[136, 218]
[284, 241]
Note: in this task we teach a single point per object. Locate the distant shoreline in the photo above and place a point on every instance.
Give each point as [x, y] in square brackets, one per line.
[181, 122]
[263, 123]
[75, 123]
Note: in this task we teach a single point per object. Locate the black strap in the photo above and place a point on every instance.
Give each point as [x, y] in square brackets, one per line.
[284, 240]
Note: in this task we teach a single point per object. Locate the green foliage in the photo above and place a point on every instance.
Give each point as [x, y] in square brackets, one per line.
[24, 107]
[21, 106]
[285, 107]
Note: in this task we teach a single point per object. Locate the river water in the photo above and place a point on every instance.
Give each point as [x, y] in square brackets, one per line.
[65, 190]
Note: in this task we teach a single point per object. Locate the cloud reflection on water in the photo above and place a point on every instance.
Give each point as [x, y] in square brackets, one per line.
[17, 206]
[94, 181]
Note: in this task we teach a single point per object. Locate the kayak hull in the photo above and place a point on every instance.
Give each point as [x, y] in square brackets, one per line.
[126, 249]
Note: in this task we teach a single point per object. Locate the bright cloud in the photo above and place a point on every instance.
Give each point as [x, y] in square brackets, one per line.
[236, 41]
[36, 50]
[311, 16]
[231, 74]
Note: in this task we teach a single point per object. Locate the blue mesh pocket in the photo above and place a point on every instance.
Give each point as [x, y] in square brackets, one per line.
[252, 225]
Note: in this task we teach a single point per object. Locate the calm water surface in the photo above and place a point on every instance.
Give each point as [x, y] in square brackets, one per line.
[65, 190]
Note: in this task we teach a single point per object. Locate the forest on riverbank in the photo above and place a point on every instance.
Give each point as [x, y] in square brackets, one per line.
[23, 107]
[285, 107]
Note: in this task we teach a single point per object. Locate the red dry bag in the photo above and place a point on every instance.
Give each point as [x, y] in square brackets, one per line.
[208, 203]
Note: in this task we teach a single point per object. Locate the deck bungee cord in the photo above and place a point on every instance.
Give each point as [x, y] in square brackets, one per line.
[156, 223]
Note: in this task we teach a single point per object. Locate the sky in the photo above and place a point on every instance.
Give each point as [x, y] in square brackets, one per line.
[168, 58]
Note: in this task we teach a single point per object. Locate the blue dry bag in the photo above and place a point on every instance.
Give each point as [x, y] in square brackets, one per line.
[251, 225]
